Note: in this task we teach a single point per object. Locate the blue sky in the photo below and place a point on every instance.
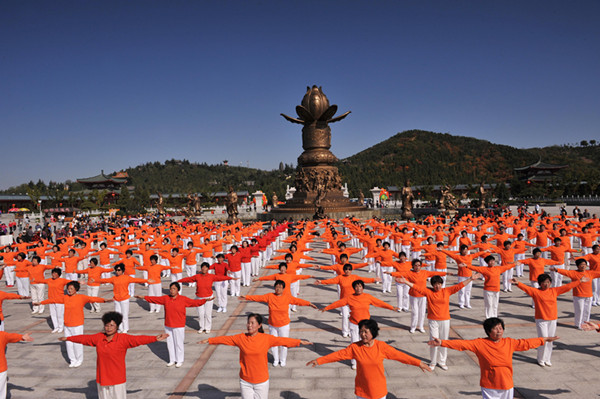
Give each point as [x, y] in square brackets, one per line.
[91, 85]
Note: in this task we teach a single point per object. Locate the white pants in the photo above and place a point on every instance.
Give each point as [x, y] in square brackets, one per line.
[402, 295]
[438, 329]
[254, 391]
[23, 286]
[506, 277]
[417, 312]
[205, 314]
[123, 308]
[354, 337]
[93, 291]
[464, 295]
[488, 393]
[234, 285]
[294, 290]
[519, 266]
[1, 325]
[582, 308]
[37, 295]
[490, 299]
[345, 320]
[112, 391]
[387, 279]
[9, 274]
[279, 352]
[534, 284]
[545, 328]
[74, 351]
[596, 291]
[57, 314]
[246, 271]
[71, 276]
[221, 293]
[3, 379]
[175, 343]
[557, 278]
[154, 290]
[255, 263]
[191, 270]
[131, 287]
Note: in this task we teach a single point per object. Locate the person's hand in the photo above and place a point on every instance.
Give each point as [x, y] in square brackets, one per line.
[24, 297]
[242, 298]
[204, 341]
[584, 279]
[397, 309]
[322, 310]
[401, 280]
[425, 367]
[550, 339]
[36, 303]
[162, 337]
[318, 282]
[92, 280]
[476, 276]
[109, 300]
[27, 338]
[312, 305]
[435, 342]
[312, 363]
[62, 339]
[138, 297]
[589, 326]
[305, 342]
[514, 280]
[377, 279]
[552, 268]
[254, 279]
[151, 281]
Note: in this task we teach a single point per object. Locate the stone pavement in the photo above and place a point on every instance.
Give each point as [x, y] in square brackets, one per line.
[40, 369]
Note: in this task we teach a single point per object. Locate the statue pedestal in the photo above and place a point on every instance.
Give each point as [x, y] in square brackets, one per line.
[258, 201]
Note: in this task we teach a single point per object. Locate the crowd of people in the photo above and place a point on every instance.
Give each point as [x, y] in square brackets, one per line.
[217, 261]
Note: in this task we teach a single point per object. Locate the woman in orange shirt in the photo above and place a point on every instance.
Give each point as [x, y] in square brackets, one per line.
[74, 318]
[5, 338]
[495, 357]
[546, 310]
[369, 353]
[254, 346]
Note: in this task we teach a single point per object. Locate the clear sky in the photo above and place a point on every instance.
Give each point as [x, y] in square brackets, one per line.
[91, 85]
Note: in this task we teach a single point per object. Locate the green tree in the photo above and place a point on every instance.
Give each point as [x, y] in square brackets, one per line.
[124, 201]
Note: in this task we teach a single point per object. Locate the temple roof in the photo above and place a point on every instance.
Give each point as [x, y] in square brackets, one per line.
[104, 179]
[541, 165]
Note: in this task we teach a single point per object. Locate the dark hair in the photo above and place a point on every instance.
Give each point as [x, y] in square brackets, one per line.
[490, 323]
[154, 258]
[282, 264]
[347, 266]
[279, 282]
[415, 261]
[507, 242]
[234, 246]
[129, 252]
[112, 316]
[119, 266]
[371, 325]
[74, 284]
[94, 261]
[289, 256]
[356, 283]
[543, 277]
[536, 250]
[204, 264]
[57, 270]
[401, 253]
[37, 258]
[258, 319]
[489, 258]
[218, 256]
[436, 280]
[344, 256]
[580, 261]
[176, 284]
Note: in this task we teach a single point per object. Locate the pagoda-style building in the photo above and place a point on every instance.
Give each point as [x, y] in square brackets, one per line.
[104, 182]
[539, 172]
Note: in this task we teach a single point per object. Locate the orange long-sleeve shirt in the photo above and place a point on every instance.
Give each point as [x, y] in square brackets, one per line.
[492, 275]
[5, 338]
[359, 306]
[464, 260]
[121, 285]
[3, 296]
[253, 353]
[438, 303]
[175, 308]
[495, 358]
[110, 355]
[583, 290]
[287, 278]
[56, 287]
[74, 307]
[345, 283]
[279, 313]
[419, 279]
[536, 266]
[545, 300]
[370, 379]
[94, 274]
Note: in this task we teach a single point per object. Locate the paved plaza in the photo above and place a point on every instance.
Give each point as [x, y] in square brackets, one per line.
[40, 369]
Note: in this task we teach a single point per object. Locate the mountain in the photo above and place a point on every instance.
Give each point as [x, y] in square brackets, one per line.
[427, 158]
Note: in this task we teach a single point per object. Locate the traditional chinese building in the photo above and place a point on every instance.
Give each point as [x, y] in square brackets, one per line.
[103, 182]
[539, 172]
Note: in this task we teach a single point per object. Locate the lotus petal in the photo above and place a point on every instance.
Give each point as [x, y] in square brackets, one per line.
[304, 114]
[293, 120]
[339, 118]
[329, 113]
